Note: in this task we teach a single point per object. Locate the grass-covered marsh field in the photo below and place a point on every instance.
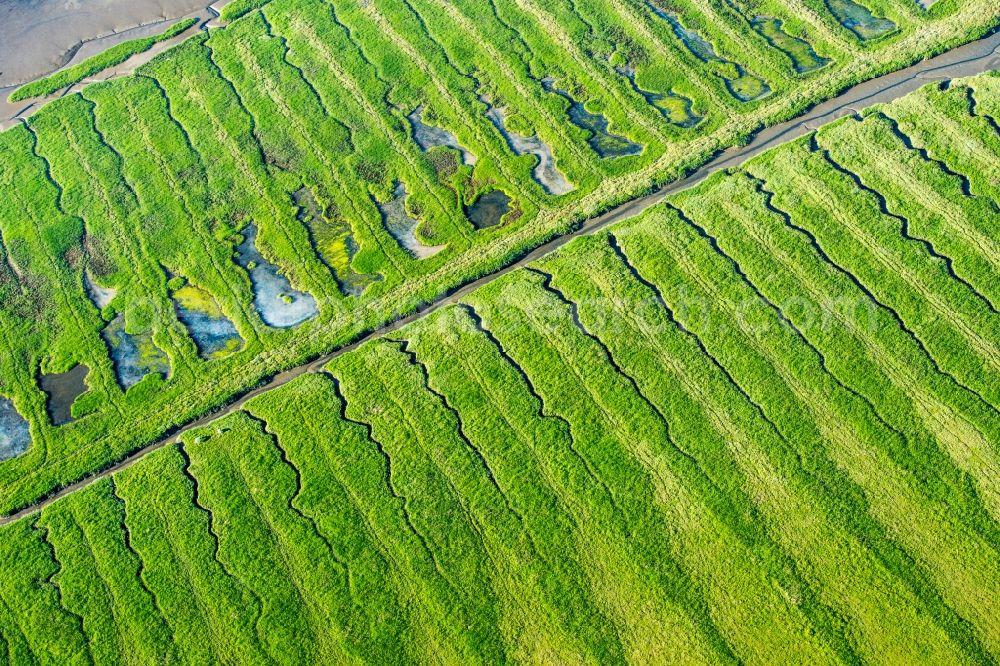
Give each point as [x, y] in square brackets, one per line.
[758, 424]
[125, 206]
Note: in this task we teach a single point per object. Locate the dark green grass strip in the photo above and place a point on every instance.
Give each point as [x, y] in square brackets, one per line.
[80, 156]
[500, 525]
[914, 448]
[504, 421]
[402, 145]
[212, 614]
[425, 477]
[292, 140]
[823, 618]
[390, 478]
[83, 589]
[828, 260]
[940, 121]
[845, 501]
[905, 229]
[979, 325]
[15, 643]
[30, 591]
[546, 343]
[779, 564]
[329, 454]
[943, 345]
[960, 630]
[102, 575]
[164, 630]
[290, 624]
[361, 90]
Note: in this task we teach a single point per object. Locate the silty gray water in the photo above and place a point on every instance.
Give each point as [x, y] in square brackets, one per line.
[133, 355]
[488, 210]
[63, 389]
[432, 136]
[604, 143]
[545, 171]
[40, 36]
[402, 227]
[15, 435]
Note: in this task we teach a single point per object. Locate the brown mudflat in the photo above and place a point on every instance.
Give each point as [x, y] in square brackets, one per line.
[38, 37]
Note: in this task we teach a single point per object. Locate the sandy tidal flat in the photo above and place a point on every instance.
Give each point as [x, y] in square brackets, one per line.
[40, 36]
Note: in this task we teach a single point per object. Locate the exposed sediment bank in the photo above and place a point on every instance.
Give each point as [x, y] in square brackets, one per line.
[40, 37]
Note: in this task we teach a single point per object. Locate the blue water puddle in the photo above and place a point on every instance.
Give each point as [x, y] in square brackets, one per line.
[799, 51]
[15, 435]
[213, 333]
[488, 210]
[695, 43]
[100, 296]
[431, 136]
[545, 172]
[276, 302]
[62, 389]
[604, 143]
[678, 110]
[333, 241]
[402, 226]
[742, 85]
[133, 356]
[859, 19]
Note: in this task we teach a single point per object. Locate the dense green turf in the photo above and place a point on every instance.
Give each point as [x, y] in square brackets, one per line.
[757, 424]
[116, 55]
[295, 118]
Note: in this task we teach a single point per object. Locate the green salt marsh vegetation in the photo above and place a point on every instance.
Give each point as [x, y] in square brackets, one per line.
[756, 424]
[132, 198]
